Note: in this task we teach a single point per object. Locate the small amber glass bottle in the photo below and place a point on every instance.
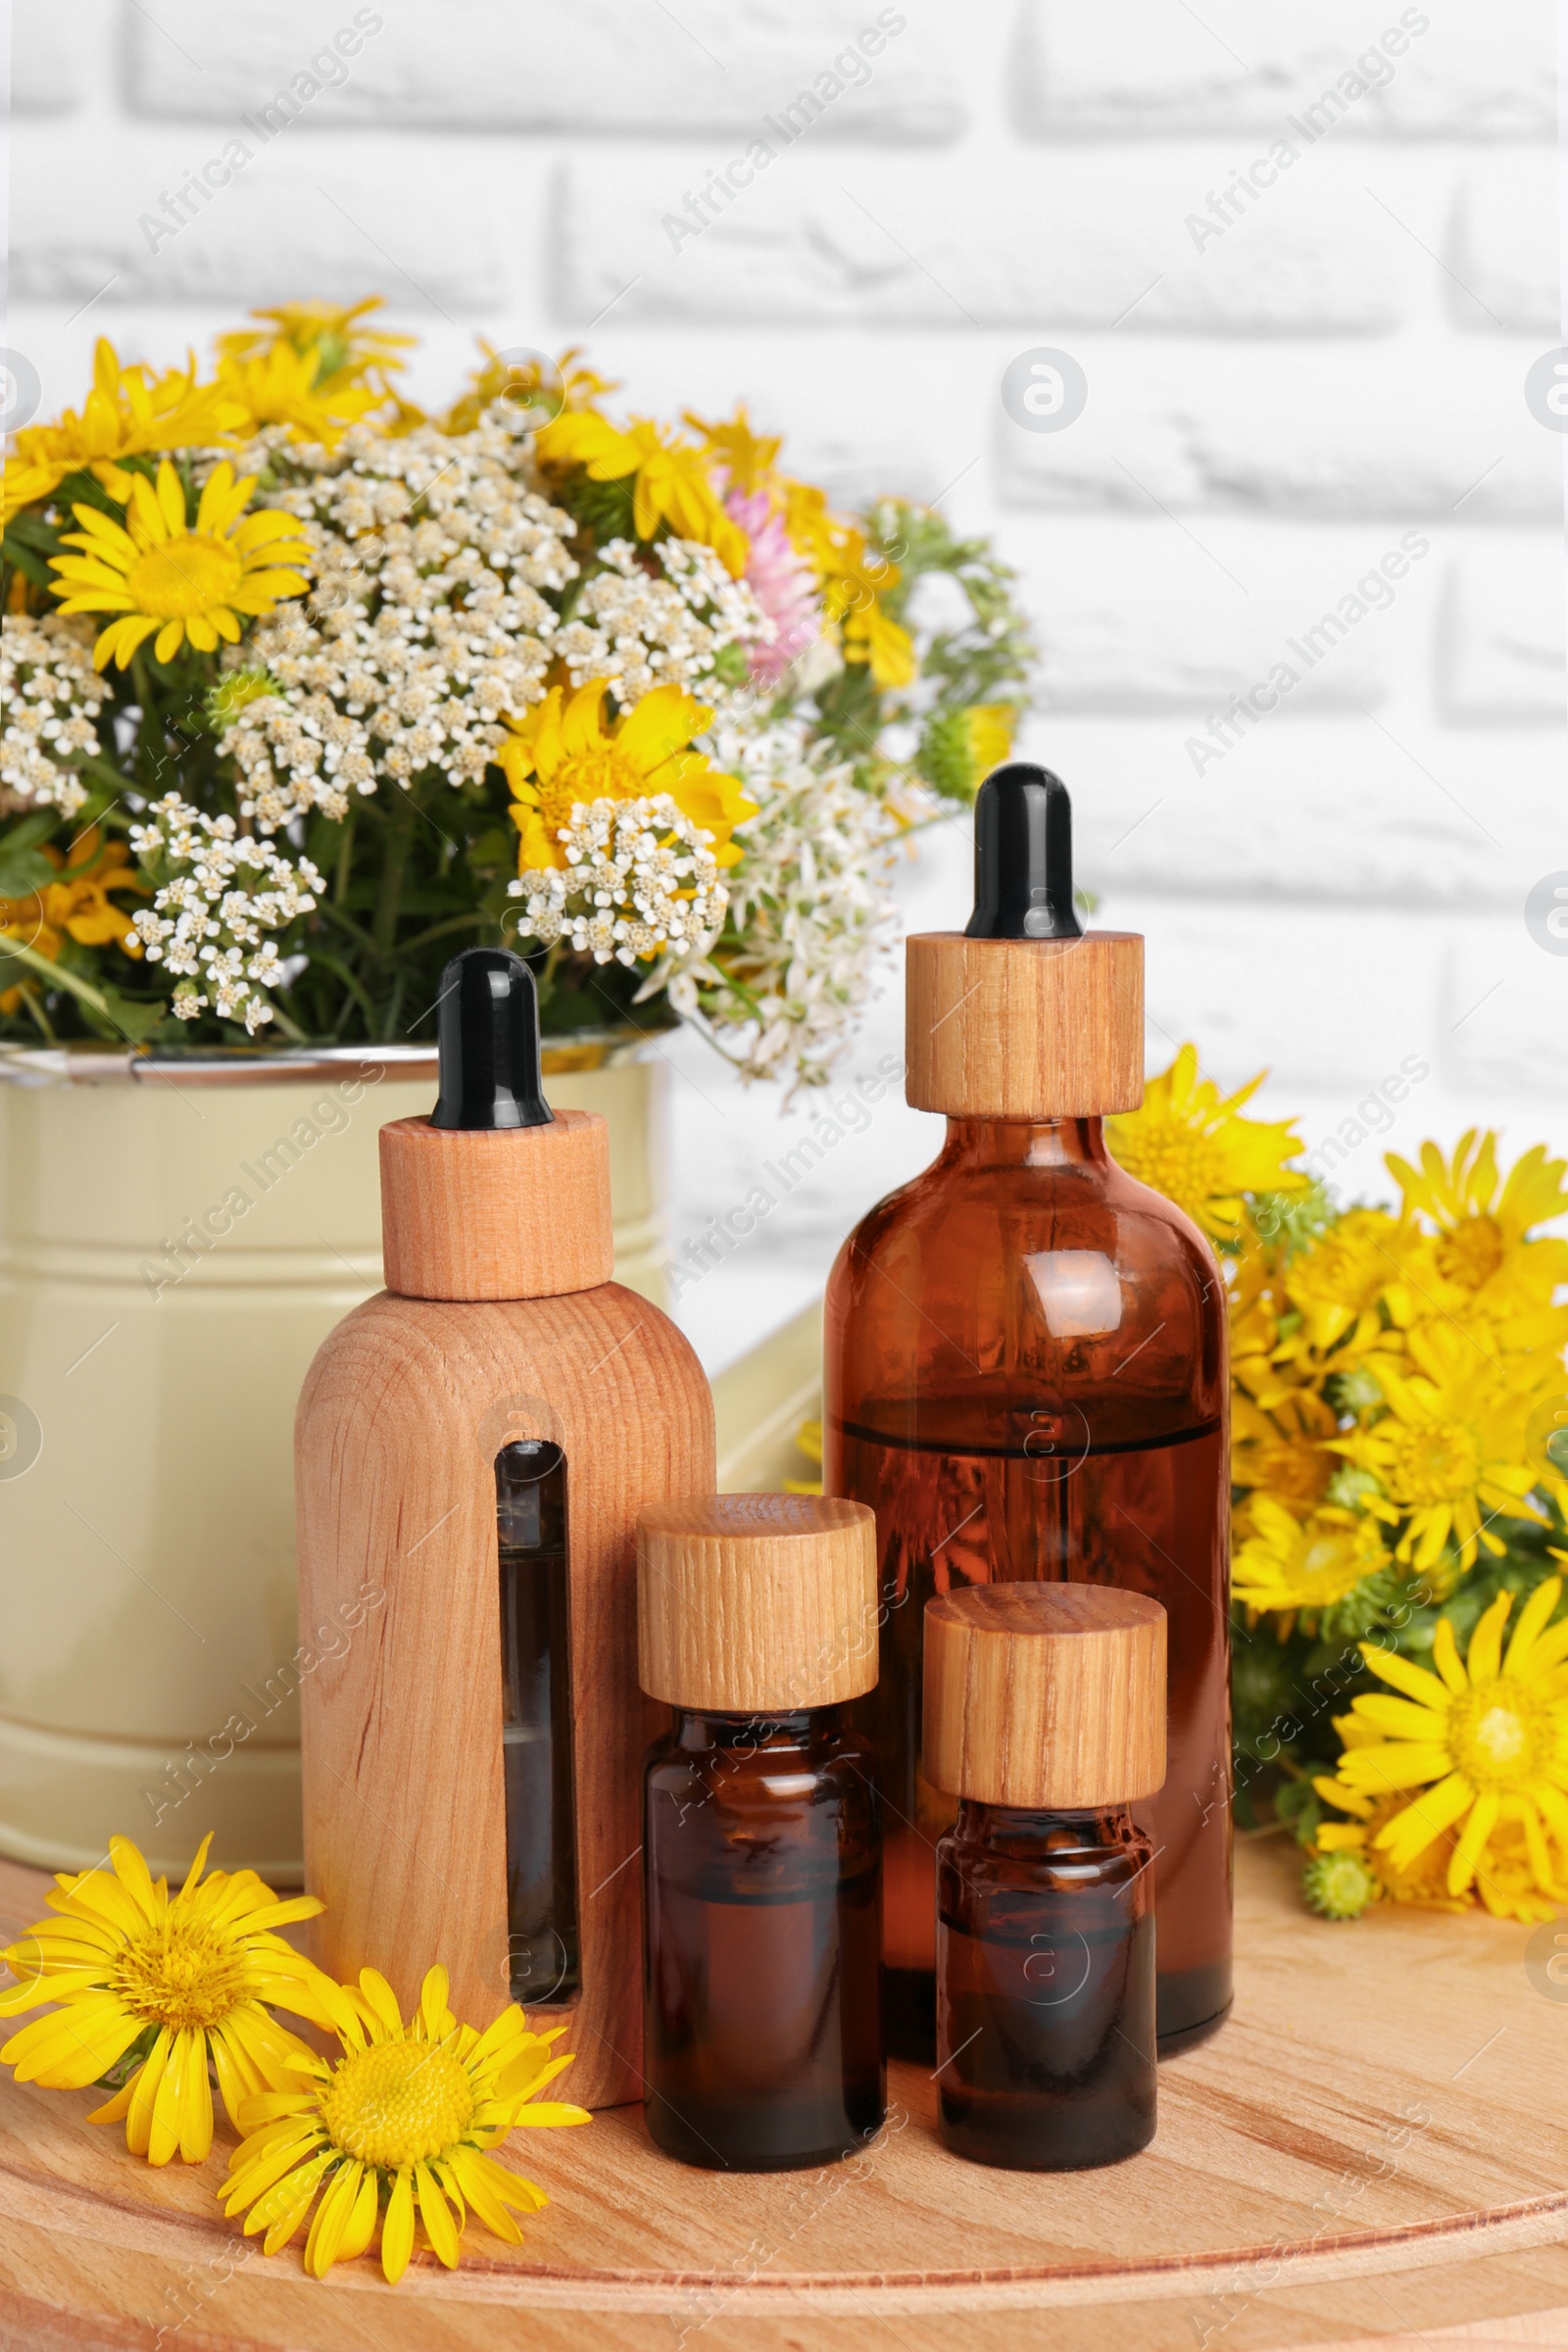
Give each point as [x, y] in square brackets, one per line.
[1045, 1715]
[761, 1851]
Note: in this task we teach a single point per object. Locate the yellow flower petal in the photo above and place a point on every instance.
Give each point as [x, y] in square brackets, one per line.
[71, 2047]
[1485, 1656]
[331, 2219]
[1435, 1810]
[1414, 1681]
[360, 2227]
[397, 2229]
[1446, 1657]
[1401, 1717]
[149, 2084]
[382, 2000]
[1395, 1764]
[1473, 1837]
[1530, 1623]
[436, 2215]
[433, 2002]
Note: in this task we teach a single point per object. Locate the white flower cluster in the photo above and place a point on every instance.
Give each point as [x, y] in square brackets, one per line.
[425, 621]
[51, 696]
[640, 883]
[641, 630]
[812, 900]
[218, 892]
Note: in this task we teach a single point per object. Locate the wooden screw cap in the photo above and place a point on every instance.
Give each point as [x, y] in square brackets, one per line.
[757, 1603]
[1024, 1028]
[518, 1212]
[1045, 1695]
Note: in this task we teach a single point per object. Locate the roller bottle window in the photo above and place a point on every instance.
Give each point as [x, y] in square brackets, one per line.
[536, 1723]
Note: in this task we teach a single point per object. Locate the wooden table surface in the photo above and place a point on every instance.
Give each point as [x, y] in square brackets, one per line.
[1373, 2151]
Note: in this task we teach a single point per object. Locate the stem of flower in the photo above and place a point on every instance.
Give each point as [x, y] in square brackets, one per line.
[399, 828]
[60, 978]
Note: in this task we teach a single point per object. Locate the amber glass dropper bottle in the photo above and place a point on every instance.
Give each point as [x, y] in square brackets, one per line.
[763, 2036]
[1045, 1714]
[1026, 1376]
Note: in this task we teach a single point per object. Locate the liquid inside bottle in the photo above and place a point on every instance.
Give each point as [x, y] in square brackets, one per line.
[1025, 1378]
[1046, 1988]
[762, 2034]
[536, 1724]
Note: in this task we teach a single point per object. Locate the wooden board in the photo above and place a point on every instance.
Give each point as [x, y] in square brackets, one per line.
[1374, 2151]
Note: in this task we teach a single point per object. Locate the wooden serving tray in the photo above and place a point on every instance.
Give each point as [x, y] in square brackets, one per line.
[1373, 2151]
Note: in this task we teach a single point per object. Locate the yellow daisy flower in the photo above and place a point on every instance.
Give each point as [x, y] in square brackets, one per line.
[1338, 1285]
[345, 348]
[1451, 1448]
[78, 906]
[178, 1980]
[128, 413]
[749, 460]
[517, 381]
[672, 483]
[561, 754]
[1191, 1143]
[405, 2117]
[1481, 1258]
[1288, 1563]
[1475, 1737]
[853, 582]
[958, 749]
[281, 386]
[1423, 1883]
[1282, 1451]
[185, 581]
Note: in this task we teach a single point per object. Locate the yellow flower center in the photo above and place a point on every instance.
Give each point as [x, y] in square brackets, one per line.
[1472, 1253]
[181, 576]
[398, 2102]
[1500, 1733]
[605, 774]
[1328, 1561]
[1341, 1274]
[1187, 1166]
[182, 1973]
[1294, 1473]
[1432, 1464]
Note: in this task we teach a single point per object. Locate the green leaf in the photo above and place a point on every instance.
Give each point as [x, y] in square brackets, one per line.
[132, 1018]
[23, 870]
[36, 828]
[1299, 1803]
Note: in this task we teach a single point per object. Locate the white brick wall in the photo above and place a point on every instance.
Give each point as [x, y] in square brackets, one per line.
[1291, 364]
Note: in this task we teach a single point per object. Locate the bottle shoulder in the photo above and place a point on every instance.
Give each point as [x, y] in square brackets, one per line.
[1068, 1282]
[1019, 1206]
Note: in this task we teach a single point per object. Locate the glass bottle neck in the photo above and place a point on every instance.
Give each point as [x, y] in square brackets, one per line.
[697, 1728]
[1014, 1831]
[1025, 1142]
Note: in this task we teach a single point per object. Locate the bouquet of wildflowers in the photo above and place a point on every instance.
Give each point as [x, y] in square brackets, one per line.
[1399, 1468]
[306, 689]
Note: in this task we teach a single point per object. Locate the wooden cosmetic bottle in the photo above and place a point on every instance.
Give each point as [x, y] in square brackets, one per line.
[472, 1451]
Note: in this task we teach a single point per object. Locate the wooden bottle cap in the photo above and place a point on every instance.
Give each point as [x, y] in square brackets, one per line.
[757, 1603]
[1024, 1028]
[1045, 1695]
[518, 1212]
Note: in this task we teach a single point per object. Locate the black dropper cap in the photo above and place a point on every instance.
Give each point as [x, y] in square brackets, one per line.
[1023, 856]
[487, 1033]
